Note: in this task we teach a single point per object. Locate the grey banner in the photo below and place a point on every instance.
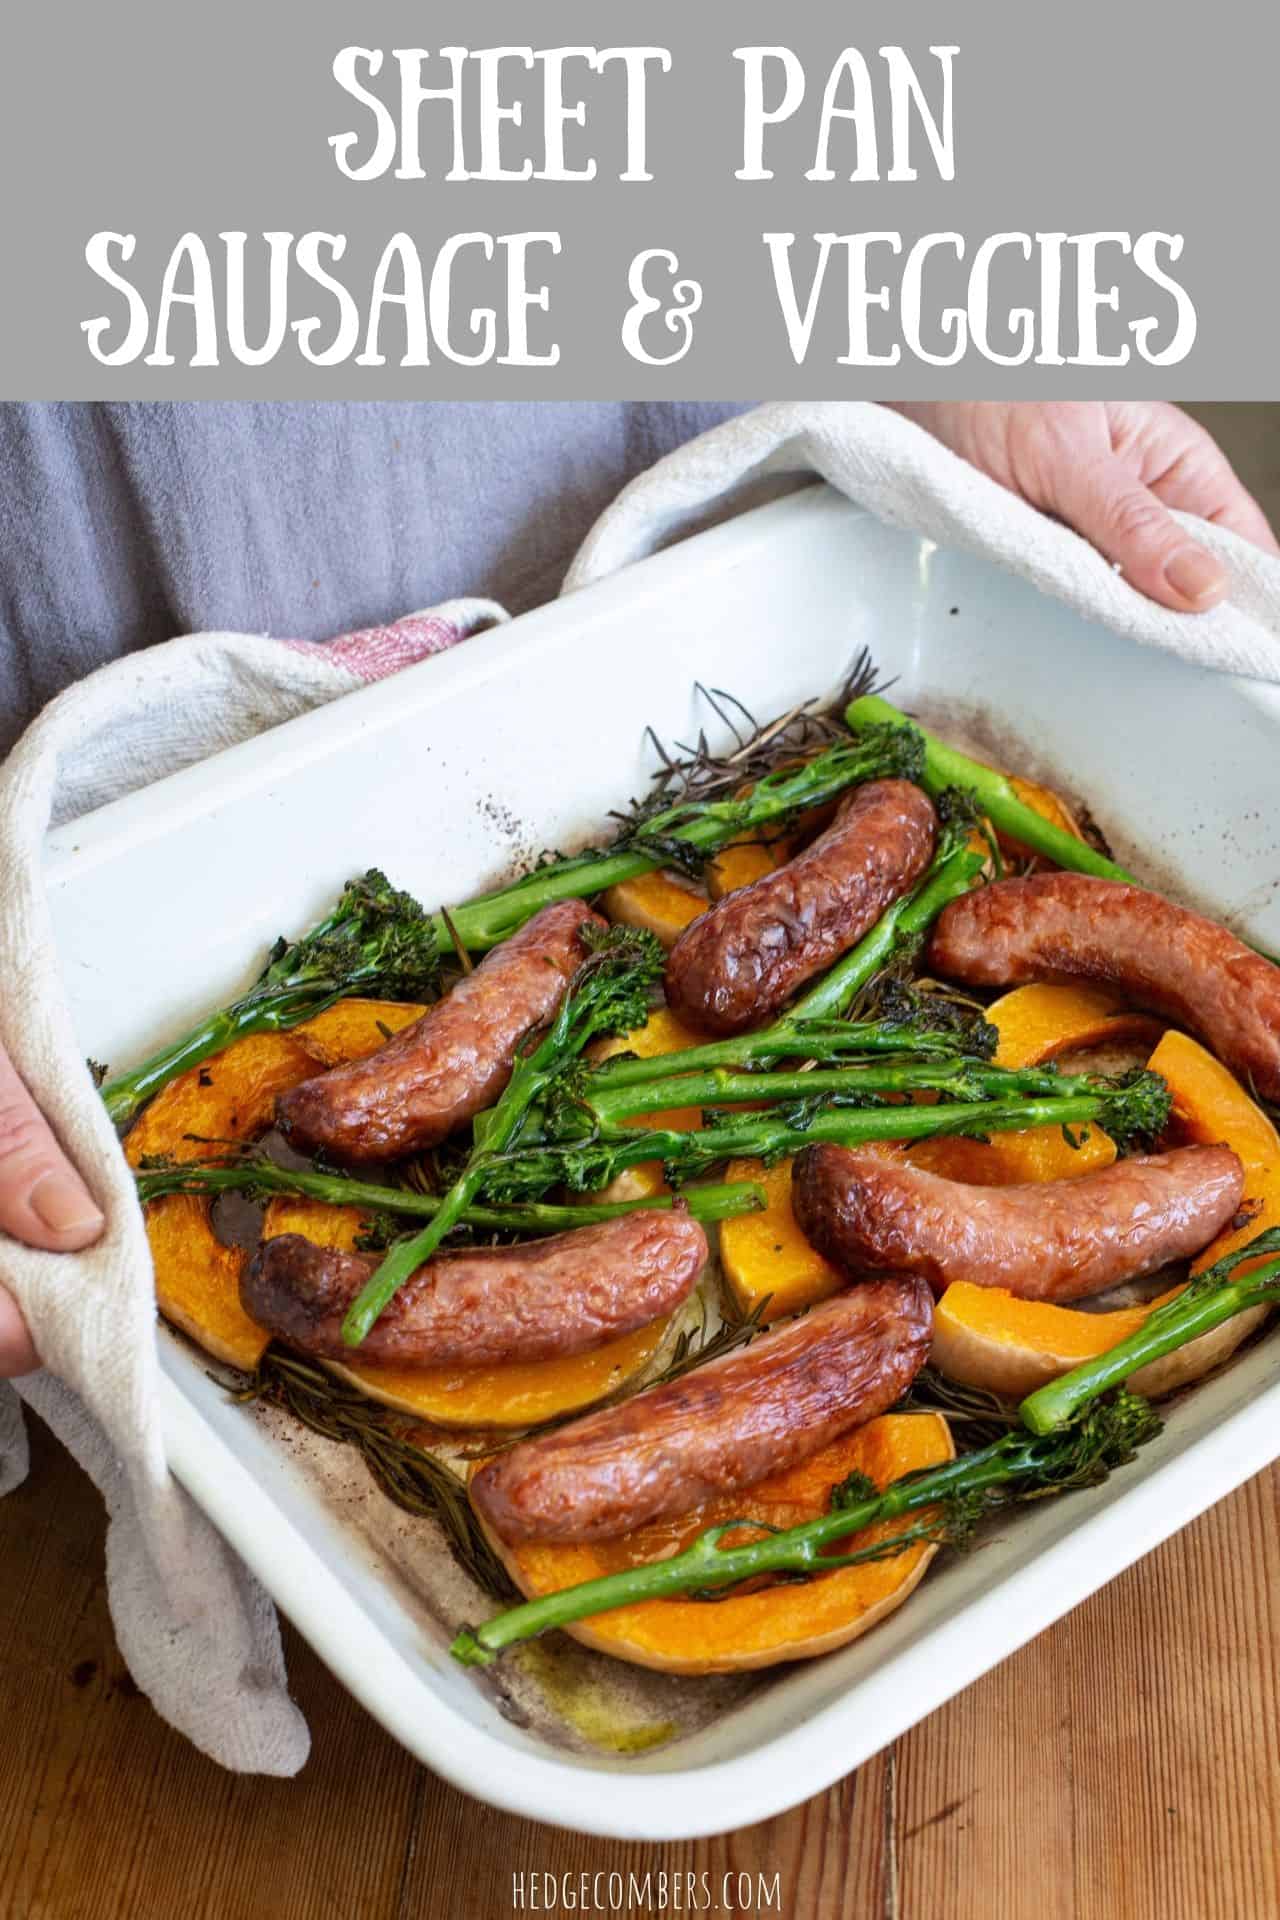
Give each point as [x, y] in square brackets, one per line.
[172, 128]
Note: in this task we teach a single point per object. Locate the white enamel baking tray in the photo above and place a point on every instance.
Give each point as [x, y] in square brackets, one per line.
[524, 738]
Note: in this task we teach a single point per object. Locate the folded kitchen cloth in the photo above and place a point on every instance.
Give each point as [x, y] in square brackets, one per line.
[904, 476]
[197, 1631]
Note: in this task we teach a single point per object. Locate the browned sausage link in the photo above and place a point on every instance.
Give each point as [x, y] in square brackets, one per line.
[716, 1430]
[1060, 1240]
[453, 1062]
[738, 963]
[563, 1295]
[1070, 926]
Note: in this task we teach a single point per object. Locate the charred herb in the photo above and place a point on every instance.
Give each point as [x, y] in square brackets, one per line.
[414, 1479]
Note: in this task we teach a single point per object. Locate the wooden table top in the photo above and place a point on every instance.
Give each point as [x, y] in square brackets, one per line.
[1127, 1763]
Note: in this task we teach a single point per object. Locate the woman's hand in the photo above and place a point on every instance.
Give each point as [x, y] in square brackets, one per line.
[43, 1203]
[1111, 469]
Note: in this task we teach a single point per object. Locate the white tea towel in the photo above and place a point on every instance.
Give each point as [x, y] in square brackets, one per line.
[904, 476]
[198, 1633]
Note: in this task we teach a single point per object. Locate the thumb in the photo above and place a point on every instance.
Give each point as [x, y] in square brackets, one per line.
[1130, 527]
[43, 1201]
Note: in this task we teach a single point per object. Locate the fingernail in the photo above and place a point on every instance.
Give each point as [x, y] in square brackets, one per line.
[63, 1205]
[1194, 574]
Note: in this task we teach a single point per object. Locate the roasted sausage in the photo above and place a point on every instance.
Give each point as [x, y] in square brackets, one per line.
[1070, 926]
[562, 1295]
[453, 1062]
[717, 1429]
[737, 963]
[1062, 1240]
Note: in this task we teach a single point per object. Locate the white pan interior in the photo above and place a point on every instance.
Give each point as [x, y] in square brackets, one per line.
[462, 767]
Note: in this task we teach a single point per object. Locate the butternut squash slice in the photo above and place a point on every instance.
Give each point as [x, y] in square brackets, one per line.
[770, 1623]
[659, 902]
[353, 1029]
[1210, 1105]
[744, 862]
[521, 1394]
[765, 1255]
[232, 1097]
[984, 1337]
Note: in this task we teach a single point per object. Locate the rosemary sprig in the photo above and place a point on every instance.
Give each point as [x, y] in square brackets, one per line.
[695, 773]
[979, 1415]
[694, 1346]
[414, 1479]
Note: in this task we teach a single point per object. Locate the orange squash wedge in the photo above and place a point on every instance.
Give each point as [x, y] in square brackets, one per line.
[765, 1256]
[353, 1029]
[771, 1623]
[522, 1394]
[984, 1337]
[1037, 1023]
[1011, 1159]
[232, 1097]
[1210, 1105]
[743, 863]
[659, 902]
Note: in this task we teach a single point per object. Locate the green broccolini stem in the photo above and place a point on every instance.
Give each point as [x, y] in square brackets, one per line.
[995, 796]
[961, 1079]
[1135, 1107]
[126, 1095]
[376, 941]
[785, 1040]
[771, 1136]
[702, 825]
[259, 1176]
[1209, 1300]
[1008, 1468]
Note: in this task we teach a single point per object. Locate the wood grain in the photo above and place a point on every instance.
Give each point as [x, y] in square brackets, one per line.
[1127, 1762]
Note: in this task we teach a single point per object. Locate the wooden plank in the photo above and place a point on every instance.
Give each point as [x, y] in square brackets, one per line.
[1128, 1761]
[106, 1814]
